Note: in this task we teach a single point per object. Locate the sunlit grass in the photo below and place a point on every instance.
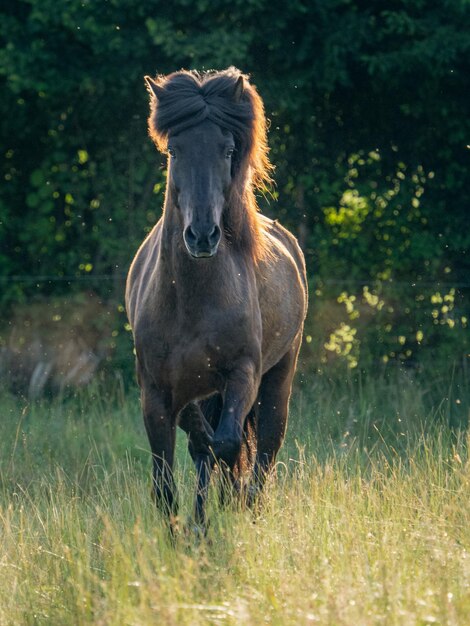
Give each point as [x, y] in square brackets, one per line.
[367, 523]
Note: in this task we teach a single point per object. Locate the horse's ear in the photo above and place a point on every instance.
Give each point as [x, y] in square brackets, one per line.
[239, 89]
[155, 90]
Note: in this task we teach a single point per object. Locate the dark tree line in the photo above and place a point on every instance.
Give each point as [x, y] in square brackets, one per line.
[369, 130]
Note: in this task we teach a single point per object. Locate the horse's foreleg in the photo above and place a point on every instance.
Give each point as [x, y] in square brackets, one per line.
[240, 394]
[161, 431]
[273, 407]
[204, 466]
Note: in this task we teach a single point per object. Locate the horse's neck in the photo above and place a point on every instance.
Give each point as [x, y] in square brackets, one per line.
[193, 281]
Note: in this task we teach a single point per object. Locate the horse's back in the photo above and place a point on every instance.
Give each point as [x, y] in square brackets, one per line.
[282, 286]
[290, 243]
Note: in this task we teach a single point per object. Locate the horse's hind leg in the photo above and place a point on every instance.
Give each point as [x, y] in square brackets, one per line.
[161, 431]
[229, 485]
[200, 434]
[198, 429]
[199, 422]
[273, 407]
[232, 483]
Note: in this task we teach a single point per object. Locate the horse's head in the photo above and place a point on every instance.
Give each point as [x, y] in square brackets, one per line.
[199, 177]
[212, 127]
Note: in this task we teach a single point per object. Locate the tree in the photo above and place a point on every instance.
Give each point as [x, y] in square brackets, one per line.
[368, 103]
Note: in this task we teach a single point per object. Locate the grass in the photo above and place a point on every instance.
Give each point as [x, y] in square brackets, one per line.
[367, 523]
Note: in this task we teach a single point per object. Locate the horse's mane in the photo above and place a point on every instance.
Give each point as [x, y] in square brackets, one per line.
[184, 99]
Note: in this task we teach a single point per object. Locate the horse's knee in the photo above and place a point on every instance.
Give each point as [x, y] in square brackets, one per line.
[227, 450]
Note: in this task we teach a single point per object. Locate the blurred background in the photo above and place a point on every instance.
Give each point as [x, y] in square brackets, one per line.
[369, 115]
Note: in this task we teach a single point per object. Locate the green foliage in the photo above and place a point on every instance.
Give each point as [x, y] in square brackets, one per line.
[369, 114]
[386, 307]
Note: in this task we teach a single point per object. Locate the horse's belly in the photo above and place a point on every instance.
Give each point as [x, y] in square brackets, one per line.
[276, 348]
[281, 326]
[282, 298]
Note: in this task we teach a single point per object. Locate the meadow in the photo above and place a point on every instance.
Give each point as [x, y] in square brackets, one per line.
[367, 521]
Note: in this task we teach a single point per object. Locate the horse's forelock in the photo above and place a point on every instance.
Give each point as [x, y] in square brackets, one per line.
[187, 98]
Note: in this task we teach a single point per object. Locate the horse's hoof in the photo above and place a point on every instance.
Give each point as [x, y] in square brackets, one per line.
[252, 497]
[195, 532]
[174, 526]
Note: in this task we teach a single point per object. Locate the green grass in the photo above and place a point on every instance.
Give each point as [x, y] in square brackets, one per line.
[368, 521]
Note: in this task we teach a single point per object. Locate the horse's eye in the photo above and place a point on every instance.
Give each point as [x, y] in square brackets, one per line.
[229, 153]
[172, 153]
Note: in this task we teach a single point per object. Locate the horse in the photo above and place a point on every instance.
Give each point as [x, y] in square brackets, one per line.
[216, 295]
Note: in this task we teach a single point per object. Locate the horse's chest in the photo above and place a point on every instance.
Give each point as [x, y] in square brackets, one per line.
[209, 346]
[193, 354]
[199, 365]
[194, 367]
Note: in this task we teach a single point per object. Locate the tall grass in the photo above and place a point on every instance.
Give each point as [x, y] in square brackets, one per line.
[366, 523]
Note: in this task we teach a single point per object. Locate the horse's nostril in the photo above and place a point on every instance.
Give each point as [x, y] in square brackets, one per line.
[190, 236]
[214, 235]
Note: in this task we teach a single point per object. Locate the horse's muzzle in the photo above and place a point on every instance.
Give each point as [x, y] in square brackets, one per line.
[202, 245]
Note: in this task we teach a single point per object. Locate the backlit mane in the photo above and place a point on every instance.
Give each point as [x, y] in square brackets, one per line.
[184, 99]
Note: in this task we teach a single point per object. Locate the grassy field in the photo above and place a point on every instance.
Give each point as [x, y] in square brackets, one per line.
[368, 521]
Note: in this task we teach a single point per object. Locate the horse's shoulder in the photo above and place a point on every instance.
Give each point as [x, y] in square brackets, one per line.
[148, 248]
[143, 263]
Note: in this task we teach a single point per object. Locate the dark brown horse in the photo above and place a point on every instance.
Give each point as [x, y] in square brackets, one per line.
[216, 295]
